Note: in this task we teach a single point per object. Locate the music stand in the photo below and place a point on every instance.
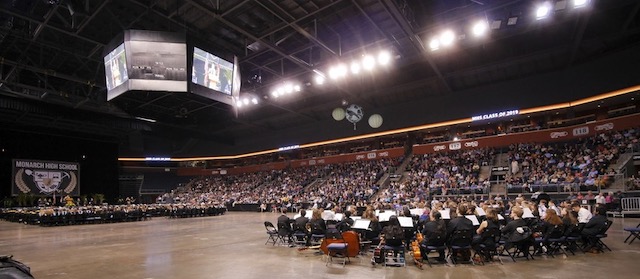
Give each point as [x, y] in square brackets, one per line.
[405, 222]
[473, 219]
[361, 224]
[445, 214]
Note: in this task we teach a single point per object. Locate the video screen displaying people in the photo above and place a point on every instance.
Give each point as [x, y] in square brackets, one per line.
[115, 67]
[155, 60]
[212, 72]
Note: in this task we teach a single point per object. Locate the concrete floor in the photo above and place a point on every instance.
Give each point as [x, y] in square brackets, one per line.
[232, 246]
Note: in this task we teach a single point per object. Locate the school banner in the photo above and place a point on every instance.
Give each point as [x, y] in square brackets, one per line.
[45, 178]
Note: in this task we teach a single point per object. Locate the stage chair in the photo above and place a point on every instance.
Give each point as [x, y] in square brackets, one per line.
[426, 249]
[597, 239]
[272, 232]
[460, 241]
[634, 233]
[489, 249]
[394, 255]
[572, 236]
[337, 248]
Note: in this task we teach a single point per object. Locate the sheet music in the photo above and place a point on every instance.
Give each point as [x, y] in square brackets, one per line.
[527, 213]
[339, 216]
[417, 211]
[328, 215]
[445, 214]
[356, 217]
[385, 215]
[473, 219]
[480, 211]
[361, 224]
[405, 222]
[500, 217]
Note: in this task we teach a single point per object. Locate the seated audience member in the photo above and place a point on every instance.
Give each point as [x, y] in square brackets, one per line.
[435, 233]
[594, 227]
[583, 214]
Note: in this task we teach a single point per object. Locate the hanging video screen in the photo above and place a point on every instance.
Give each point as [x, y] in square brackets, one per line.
[158, 61]
[212, 71]
[115, 67]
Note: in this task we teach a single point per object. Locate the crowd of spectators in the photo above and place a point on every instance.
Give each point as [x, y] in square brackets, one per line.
[585, 162]
[454, 172]
[351, 182]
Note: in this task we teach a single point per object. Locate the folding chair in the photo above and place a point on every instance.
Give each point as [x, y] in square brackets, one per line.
[284, 234]
[520, 247]
[572, 236]
[394, 255]
[555, 240]
[488, 248]
[272, 232]
[597, 239]
[337, 247]
[426, 249]
[635, 232]
[300, 238]
[460, 241]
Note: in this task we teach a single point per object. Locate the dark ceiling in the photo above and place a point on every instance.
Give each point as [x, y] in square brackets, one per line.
[52, 69]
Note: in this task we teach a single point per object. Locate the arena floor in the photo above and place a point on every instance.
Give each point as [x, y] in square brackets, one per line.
[233, 246]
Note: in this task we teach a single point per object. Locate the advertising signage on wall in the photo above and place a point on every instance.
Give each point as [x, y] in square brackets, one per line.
[45, 178]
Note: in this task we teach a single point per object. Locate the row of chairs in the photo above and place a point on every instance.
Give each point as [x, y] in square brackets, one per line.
[525, 248]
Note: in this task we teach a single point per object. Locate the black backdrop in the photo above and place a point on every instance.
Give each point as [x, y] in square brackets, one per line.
[98, 168]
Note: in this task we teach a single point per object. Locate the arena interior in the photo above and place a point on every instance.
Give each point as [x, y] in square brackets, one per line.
[319, 138]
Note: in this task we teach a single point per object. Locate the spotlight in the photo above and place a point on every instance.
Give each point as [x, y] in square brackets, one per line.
[254, 100]
[511, 21]
[434, 44]
[333, 72]
[580, 3]
[319, 80]
[368, 62]
[275, 94]
[543, 10]
[239, 103]
[447, 38]
[342, 70]
[384, 57]
[296, 88]
[245, 101]
[288, 88]
[479, 28]
[355, 68]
